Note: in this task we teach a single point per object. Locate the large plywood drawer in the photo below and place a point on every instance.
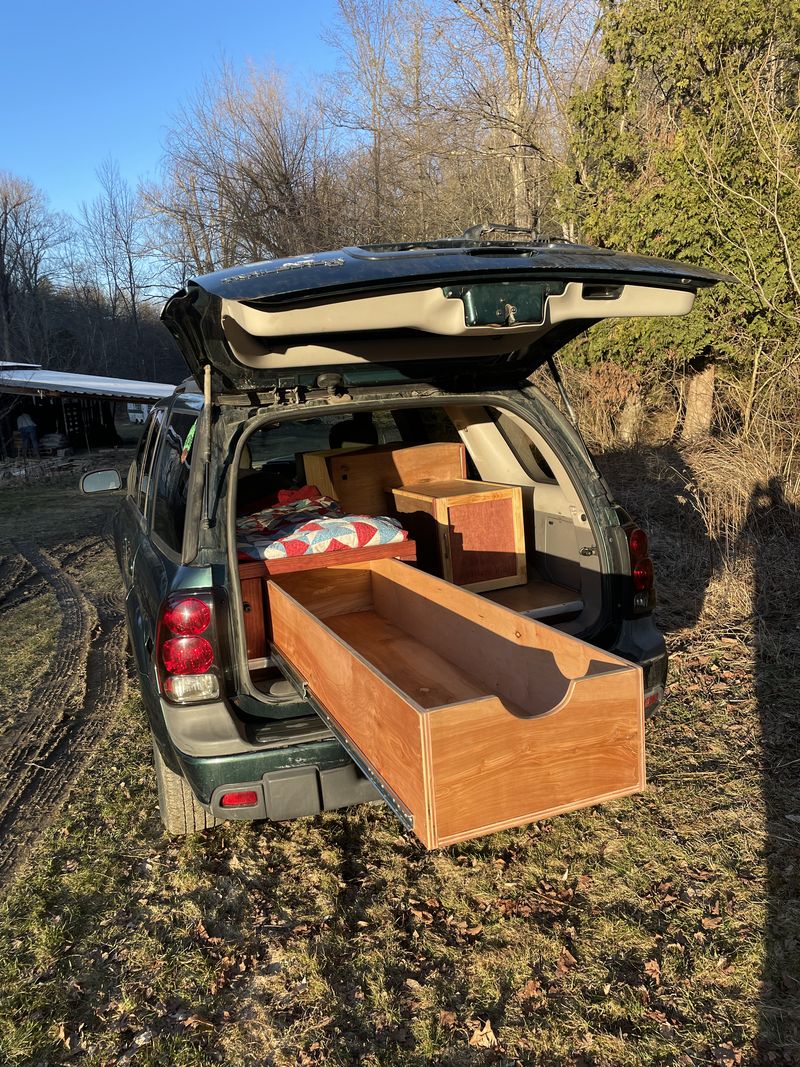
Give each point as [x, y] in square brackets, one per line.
[471, 717]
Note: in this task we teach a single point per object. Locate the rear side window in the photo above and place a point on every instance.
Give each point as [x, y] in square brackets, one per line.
[172, 479]
[145, 457]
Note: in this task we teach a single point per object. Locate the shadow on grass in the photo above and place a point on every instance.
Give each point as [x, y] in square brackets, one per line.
[660, 490]
[771, 534]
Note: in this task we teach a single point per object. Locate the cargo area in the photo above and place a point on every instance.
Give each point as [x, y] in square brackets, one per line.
[418, 578]
[468, 494]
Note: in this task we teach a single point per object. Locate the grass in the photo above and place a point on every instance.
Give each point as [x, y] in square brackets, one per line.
[27, 635]
[661, 929]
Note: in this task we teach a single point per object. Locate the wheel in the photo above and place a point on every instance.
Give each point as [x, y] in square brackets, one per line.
[181, 812]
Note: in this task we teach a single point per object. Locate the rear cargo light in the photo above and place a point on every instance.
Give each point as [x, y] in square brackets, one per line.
[185, 687]
[248, 798]
[186, 649]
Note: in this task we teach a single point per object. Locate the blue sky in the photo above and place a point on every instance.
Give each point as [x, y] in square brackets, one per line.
[83, 80]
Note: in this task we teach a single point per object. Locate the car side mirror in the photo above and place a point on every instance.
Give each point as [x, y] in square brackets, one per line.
[105, 481]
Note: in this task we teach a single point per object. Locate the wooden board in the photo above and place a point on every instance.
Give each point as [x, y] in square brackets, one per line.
[474, 717]
[253, 606]
[260, 568]
[539, 599]
[470, 533]
[362, 479]
[253, 575]
[317, 470]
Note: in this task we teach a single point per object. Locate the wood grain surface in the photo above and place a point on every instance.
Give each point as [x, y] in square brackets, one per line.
[474, 716]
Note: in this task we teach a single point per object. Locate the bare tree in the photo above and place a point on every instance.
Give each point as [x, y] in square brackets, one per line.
[519, 64]
[30, 235]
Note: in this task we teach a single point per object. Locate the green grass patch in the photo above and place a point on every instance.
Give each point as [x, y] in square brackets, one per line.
[27, 637]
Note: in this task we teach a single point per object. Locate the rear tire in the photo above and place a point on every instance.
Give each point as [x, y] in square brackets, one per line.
[180, 810]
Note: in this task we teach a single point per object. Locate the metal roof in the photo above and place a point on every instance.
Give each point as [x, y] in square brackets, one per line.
[37, 381]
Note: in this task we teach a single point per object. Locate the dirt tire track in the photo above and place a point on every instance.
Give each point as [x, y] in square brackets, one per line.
[15, 570]
[77, 555]
[29, 588]
[67, 713]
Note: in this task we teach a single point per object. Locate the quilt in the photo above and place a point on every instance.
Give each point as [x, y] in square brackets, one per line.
[311, 524]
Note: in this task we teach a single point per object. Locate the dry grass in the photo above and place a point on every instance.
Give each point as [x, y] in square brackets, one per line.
[662, 929]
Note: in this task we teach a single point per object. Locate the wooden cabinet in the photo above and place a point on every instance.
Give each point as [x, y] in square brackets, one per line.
[470, 718]
[362, 479]
[469, 533]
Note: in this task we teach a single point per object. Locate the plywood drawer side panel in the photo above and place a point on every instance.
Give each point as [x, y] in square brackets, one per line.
[379, 720]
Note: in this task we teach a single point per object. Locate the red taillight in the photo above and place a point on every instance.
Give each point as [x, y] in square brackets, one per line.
[187, 655]
[187, 618]
[642, 574]
[642, 578]
[246, 799]
[637, 541]
[187, 671]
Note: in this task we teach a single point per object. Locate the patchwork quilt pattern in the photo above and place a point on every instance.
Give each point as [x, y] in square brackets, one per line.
[310, 526]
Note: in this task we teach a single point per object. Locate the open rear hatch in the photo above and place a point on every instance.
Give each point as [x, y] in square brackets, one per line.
[429, 311]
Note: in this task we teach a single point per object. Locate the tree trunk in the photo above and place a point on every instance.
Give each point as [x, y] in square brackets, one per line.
[630, 421]
[699, 404]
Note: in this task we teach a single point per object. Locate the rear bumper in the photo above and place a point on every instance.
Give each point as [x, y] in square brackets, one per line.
[301, 779]
[641, 642]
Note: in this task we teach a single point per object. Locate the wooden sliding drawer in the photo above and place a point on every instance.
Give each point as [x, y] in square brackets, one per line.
[470, 717]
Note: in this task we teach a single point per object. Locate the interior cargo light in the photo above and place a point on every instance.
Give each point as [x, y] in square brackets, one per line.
[188, 617]
[187, 655]
[248, 798]
[191, 686]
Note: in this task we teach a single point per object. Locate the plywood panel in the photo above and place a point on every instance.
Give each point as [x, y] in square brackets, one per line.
[314, 561]
[406, 595]
[543, 598]
[483, 541]
[471, 533]
[422, 674]
[475, 717]
[253, 605]
[379, 721]
[317, 469]
[588, 750]
[362, 481]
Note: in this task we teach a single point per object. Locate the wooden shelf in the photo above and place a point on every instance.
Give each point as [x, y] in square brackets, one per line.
[538, 599]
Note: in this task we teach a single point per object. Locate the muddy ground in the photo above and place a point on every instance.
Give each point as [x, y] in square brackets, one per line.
[65, 669]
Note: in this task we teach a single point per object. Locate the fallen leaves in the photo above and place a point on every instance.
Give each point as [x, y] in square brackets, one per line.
[483, 1036]
[653, 970]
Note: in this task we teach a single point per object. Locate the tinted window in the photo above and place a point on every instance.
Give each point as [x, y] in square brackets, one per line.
[145, 459]
[172, 479]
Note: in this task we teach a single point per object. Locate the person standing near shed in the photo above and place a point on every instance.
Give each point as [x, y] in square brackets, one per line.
[27, 429]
